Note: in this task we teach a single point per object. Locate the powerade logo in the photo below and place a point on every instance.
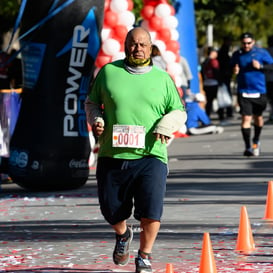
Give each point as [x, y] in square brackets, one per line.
[85, 41]
[71, 103]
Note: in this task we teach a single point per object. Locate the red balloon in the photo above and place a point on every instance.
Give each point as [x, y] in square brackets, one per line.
[173, 46]
[155, 23]
[164, 34]
[102, 59]
[130, 5]
[110, 18]
[150, 2]
[119, 32]
[106, 5]
[147, 12]
[155, 2]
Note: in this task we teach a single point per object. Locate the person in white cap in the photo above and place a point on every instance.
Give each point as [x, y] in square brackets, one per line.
[198, 122]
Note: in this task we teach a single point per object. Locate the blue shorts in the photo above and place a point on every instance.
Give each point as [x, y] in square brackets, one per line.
[123, 184]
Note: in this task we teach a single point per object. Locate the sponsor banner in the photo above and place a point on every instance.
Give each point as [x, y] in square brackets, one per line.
[50, 145]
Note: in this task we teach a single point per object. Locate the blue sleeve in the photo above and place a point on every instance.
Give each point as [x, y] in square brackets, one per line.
[267, 58]
[262, 56]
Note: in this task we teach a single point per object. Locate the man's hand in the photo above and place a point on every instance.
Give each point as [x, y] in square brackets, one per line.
[97, 128]
[256, 64]
[162, 138]
[236, 69]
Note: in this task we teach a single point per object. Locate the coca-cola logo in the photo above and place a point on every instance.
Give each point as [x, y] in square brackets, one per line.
[78, 163]
[19, 158]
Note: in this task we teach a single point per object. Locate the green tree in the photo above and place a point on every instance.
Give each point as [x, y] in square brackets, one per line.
[232, 17]
[8, 13]
[228, 17]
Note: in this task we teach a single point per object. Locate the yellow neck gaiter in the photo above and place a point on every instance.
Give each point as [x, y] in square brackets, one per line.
[138, 62]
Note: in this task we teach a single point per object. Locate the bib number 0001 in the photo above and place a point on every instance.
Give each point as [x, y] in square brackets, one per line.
[130, 136]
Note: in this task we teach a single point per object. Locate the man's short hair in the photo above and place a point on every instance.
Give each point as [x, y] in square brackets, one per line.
[247, 35]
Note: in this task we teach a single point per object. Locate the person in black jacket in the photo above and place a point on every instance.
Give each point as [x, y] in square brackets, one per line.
[225, 74]
[210, 73]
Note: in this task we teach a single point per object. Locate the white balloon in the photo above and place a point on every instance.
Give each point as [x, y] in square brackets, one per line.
[105, 33]
[119, 5]
[174, 34]
[126, 18]
[161, 45]
[170, 21]
[110, 47]
[153, 35]
[162, 10]
[174, 68]
[177, 80]
[119, 56]
[169, 56]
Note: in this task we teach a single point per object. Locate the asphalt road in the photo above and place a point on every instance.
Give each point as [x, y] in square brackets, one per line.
[209, 182]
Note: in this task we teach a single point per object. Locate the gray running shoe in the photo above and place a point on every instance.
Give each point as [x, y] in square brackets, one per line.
[143, 265]
[121, 254]
[256, 149]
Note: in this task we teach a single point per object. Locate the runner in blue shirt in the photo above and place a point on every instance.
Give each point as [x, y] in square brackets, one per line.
[248, 63]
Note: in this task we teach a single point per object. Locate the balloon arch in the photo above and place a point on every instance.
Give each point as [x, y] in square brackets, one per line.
[158, 18]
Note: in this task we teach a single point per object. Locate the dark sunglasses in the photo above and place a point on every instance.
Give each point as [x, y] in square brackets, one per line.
[247, 43]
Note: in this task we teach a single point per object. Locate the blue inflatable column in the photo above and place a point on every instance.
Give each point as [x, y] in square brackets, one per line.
[187, 38]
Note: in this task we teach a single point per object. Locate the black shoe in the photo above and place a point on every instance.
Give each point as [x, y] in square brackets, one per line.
[248, 152]
[143, 265]
[121, 253]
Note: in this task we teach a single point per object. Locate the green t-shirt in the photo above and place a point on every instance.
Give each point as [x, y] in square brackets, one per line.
[134, 99]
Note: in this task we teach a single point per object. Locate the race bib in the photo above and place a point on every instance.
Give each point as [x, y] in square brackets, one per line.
[130, 136]
[251, 95]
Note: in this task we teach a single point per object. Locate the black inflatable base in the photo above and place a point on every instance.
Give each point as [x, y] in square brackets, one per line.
[49, 184]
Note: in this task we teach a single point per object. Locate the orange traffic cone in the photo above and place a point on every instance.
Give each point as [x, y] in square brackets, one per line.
[245, 242]
[269, 202]
[169, 268]
[207, 262]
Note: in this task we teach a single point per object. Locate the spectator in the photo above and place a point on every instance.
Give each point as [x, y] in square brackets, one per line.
[198, 122]
[157, 58]
[210, 74]
[4, 67]
[15, 70]
[186, 76]
[4, 115]
[225, 75]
